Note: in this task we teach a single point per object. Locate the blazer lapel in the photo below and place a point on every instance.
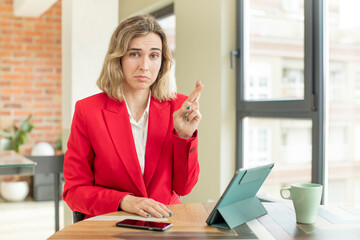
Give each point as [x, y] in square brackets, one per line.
[159, 116]
[117, 119]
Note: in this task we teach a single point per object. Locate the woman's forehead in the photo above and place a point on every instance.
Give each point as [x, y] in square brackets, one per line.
[148, 41]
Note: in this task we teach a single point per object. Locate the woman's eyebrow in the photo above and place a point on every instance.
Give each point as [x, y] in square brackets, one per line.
[139, 49]
[157, 49]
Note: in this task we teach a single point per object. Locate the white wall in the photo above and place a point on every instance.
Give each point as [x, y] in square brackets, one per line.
[205, 35]
[87, 26]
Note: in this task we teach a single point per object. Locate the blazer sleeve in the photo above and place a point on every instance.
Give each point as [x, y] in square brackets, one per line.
[80, 192]
[186, 166]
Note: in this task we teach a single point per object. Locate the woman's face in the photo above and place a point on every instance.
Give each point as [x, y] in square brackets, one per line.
[142, 62]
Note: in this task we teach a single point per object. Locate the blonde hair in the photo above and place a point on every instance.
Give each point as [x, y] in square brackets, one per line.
[111, 80]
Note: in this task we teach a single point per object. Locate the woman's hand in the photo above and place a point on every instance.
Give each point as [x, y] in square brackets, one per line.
[144, 207]
[187, 117]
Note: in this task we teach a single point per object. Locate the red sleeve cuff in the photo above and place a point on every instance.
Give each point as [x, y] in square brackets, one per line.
[195, 134]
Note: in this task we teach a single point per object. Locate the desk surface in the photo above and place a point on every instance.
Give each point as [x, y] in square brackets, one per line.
[12, 163]
[189, 223]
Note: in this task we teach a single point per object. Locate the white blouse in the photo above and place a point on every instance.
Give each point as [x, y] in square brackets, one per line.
[140, 131]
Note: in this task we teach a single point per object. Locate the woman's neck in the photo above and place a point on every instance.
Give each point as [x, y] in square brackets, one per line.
[137, 103]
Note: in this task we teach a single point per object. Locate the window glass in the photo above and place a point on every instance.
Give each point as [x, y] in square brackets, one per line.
[343, 91]
[168, 24]
[285, 142]
[276, 50]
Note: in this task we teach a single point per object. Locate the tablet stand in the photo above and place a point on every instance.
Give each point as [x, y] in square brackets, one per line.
[235, 214]
[239, 204]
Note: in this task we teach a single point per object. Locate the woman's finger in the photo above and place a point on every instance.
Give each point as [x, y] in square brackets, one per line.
[154, 211]
[162, 211]
[192, 98]
[142, 213]
[167, 210]
[195, 95]
[154, 208]
[195, 115]
[194, 106]
[151, 211]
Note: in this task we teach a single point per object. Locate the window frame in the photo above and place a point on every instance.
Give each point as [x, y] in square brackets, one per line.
[311, 107]
[163, 12]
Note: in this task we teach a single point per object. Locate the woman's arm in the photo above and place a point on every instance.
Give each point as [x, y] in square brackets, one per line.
[186, 166]
[80, 192]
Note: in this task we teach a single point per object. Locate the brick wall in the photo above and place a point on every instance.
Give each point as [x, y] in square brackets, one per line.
[30, 72]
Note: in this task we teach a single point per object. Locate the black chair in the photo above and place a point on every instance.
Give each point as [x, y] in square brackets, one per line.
[51, 165]
[78, 216]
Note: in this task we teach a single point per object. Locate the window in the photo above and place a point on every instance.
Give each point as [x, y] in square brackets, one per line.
[337, 82]
[292, 82]
[343, 24]
[258, 86]
[275, 34]
[357, 87]
[285, 142]
[298, 94]
[166, 18]
[279, 94]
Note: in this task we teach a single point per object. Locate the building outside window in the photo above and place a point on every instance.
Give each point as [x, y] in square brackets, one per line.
[343, 23]
[274, 70]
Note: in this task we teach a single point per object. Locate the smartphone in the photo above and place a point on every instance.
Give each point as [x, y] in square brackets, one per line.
[148, 225]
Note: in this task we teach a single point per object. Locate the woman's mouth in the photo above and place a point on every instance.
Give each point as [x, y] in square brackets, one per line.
[142, 78]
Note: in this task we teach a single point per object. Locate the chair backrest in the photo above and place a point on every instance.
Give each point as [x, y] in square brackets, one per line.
[78, 216]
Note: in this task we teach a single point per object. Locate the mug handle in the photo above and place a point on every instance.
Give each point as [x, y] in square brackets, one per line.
[285, 189]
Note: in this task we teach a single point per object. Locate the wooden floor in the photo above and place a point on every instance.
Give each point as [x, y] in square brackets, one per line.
[28, 220]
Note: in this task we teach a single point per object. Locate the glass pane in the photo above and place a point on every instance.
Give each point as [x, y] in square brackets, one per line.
[343, 152]
[275, 60]
[285, 142]
[168, 23]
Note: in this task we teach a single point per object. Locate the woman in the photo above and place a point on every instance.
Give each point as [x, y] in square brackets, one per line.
[133, 147]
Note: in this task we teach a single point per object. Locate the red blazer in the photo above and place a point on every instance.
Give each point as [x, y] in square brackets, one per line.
[101, 164]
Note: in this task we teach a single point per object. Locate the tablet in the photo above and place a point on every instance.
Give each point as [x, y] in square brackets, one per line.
[239, 204]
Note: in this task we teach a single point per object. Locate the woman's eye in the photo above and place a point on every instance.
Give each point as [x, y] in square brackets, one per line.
[154, 56]
[134, 54]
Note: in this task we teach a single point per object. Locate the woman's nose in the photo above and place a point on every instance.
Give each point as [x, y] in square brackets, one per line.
[144, 65]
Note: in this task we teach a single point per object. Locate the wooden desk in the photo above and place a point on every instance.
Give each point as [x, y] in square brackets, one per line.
[189, 223]
[12, 163]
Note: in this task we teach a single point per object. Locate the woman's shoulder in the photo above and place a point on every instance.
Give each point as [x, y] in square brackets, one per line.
[93, 99]
[93, 103]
